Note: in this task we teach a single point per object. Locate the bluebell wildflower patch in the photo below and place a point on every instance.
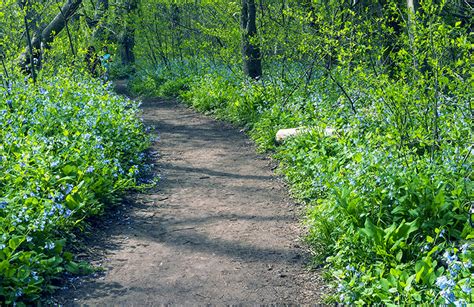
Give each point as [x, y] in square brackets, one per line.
[68, 147]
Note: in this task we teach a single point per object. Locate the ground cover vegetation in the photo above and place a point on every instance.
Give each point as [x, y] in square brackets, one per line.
[69, 146]
[389, 194]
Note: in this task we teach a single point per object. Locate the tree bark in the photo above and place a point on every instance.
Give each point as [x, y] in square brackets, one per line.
[250, 49]
[411, 30]
[127, 37]
[57, 24]
[47, 35]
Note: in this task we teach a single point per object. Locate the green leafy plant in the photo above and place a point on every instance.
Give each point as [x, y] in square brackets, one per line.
[69, 147]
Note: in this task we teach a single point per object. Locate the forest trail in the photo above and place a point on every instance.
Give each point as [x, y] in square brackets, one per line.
[218, 229]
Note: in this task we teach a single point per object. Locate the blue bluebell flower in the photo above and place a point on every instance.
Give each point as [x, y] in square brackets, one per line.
[466, 289]
[467, 264]
[68, 188]
[34, 275]
[49, 245]
[443, 282]
[450, 258]
[454, 269]
[58, 207]
[50, 212]
[448, 295]
[342, 297]
[67, 213]
[340, 287]
[350, 268]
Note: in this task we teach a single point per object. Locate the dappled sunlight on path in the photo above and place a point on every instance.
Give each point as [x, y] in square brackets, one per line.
[218, 229]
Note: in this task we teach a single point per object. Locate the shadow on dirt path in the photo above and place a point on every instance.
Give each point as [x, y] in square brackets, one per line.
[218, 229]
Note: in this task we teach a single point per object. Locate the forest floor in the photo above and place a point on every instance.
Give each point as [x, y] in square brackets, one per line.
[219, 228]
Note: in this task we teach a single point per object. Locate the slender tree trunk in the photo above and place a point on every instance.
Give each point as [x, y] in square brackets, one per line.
[390, 43]
[411, 17]
[127, 38]
[148, 40]
[175, 28]
[31, 67]
[250, 49]
[69, 36]
[410, 25]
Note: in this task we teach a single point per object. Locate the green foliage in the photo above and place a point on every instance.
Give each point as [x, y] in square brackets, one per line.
[158, 84]
[212, 94]
[388, 194]
[373, 213]
[181, 31]
[118, 71]
[69, 147]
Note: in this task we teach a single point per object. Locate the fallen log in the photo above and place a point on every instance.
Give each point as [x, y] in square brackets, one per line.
[284, 134]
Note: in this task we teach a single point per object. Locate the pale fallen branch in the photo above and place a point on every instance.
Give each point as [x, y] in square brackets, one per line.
[283, 134]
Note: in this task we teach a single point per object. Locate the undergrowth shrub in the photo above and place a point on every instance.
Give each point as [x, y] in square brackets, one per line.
[146, 83]
[388, 208]
[68, 147]
[210, 94]
[161, 83]
[384, 223]
[389, 193]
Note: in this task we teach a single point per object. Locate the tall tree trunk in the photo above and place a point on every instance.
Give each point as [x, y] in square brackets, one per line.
[411, 17]
[250, 49]
[127, 37]
[175, 28]
[411, 29]
[31, 68]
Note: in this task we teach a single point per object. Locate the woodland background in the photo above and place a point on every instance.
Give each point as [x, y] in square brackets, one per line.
[388, 196]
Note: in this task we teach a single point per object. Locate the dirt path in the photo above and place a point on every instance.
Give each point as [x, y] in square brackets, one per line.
[218, 229]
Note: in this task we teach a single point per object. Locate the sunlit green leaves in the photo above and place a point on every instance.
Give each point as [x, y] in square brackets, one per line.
[66, 151]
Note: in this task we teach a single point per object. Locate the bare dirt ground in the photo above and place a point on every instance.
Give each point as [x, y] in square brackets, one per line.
[218, 229]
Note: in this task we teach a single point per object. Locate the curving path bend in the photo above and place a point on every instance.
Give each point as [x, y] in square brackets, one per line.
[219, 228]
